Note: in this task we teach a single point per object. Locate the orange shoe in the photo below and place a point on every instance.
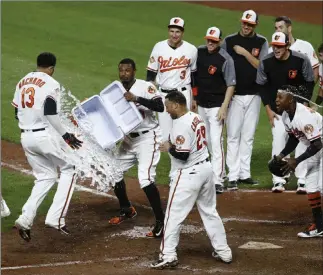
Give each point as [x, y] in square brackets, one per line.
[125, 213]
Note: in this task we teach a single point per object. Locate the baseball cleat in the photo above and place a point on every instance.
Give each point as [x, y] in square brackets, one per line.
[301, 190]
[311, 232]
[278, 188]
[226, 260]
[162, 264]
[248, 181]
[128, 213]
[232, 185]
[157, 231]
[23, 232]
[62, 230]
[219, 189]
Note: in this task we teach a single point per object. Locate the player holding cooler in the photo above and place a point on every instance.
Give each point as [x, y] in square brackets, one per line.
[170, 66]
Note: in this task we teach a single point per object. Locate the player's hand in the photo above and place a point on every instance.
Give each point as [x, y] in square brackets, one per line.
[222, 113]
[194, 106]
[272, 116]
[164, 146]
[290, 166]
[130, 96]
[72, 141]
[240, 50]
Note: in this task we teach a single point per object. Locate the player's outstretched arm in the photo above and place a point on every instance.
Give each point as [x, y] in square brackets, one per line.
[289, 147]
[316, 145]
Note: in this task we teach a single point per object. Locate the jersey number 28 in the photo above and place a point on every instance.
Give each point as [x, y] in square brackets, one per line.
[30, 92]
[200, 133]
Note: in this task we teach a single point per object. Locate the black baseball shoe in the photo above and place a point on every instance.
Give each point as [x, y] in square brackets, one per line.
[219, 188]
[248, 181]
[62, 230]
[157, 231]
[23, 232]
[232, 185]
[162, 264]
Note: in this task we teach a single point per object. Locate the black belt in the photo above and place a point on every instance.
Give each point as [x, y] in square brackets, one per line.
[200, 162]
[134, 135]
[174, 90]
[33, 130]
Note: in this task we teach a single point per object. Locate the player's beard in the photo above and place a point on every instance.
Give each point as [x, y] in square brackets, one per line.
[173, 116]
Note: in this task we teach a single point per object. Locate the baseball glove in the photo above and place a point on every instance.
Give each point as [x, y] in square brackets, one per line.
[275, 165]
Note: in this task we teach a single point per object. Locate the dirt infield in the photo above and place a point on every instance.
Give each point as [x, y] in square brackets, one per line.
[304, 11]
[95, 247]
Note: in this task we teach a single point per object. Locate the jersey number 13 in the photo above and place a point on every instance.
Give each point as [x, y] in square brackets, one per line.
[28, 97]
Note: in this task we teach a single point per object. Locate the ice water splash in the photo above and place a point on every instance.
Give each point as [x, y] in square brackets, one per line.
[91, 160]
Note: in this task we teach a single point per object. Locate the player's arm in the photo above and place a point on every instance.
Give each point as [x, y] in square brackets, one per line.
[14, 102]
[314, 62]
[254, 61]
[50, 111]
[155, 104]
[152, 66]
[308, 75]
[319, 98]
[315, 146]
[16, 113]
[290, 146]
[181, 155]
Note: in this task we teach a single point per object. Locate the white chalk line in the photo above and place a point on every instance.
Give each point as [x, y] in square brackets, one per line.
[98, 193]
[67, 263]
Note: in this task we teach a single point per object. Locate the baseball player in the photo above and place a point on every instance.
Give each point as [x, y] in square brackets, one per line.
[284, 24]
[282, 67]
[36, 106]
[215, 82]
[191, 183]
[246, 47]
[304, 125]
[141, 145]
[319, 98]
[5, 211]
[170, 66]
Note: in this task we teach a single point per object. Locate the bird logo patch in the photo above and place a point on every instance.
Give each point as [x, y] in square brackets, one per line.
[292, 74]
[255, 52]
[212, 70]
[176, 20]
[212, 32]
[248, 16]
[151, 90]
[308, 129]
[277, 37]
[180, 140]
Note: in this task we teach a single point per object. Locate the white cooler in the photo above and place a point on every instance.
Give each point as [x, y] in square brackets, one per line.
[110, 115]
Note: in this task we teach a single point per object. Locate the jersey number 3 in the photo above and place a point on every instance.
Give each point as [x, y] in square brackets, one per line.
[30, 92]
[201, 138]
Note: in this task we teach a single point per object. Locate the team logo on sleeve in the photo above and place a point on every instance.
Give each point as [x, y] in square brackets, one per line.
[255, 52]
[292, 74]
[151, 90]
[212, 70]
[152, 59]
[179, 140]
[308, 129]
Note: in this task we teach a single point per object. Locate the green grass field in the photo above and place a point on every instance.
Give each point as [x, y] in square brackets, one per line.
[90, 38]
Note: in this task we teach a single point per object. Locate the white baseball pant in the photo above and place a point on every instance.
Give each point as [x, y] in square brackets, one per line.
[314, 173]
[189, 186]
[143, 149]
[44, 157]
[242, 120]
[165, 121]
[280, 138]
[301, 168]
[214, 138]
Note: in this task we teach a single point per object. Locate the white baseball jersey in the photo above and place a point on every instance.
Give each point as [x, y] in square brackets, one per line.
[306, 124]
[306, 48]
[31, 93]
[189, 135]
[321, 75]
[173, 66]
[146, 90]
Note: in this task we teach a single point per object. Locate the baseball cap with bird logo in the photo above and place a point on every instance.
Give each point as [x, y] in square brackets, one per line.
[250, 17]
[213, 33]
[279, 39]
[176, 22]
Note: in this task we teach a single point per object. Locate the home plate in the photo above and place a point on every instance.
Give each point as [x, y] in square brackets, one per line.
[259, 246]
